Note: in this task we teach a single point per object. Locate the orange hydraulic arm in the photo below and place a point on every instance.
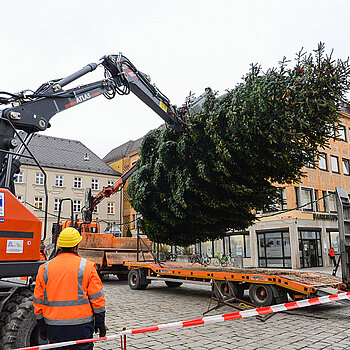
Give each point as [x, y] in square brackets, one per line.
[92, 202]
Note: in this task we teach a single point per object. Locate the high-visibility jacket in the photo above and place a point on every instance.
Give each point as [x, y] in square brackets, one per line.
[68, 291]
[331, 252]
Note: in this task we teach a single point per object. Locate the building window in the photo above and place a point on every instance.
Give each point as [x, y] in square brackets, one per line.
[19, 178]
[95, 210]
[324, 198]
[310, 160]
[332, 205]
[310, 248]
[280, 202]
[311, 163]
[76, 206]
[94, 184]
[38, 203]
[331, 130]
[317, 207]
[240, 245]
[110, 183]
[59, 180]
[334, 164]
[274, 249]
[346, 167]
[306, 199]
[110, 208]
[134, 223]
[297, 196]
[334, 241]
[56, 204]
[342, 133]
[20, 198]
[39, 178]
[322, 161]
[77, 182]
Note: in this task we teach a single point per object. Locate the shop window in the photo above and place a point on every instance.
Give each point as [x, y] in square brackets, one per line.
[274, 249]
[310, 248]
[322, 161]
[342, 133]
[334, 241]
[239, 245]
[334, 164]
[346, 166]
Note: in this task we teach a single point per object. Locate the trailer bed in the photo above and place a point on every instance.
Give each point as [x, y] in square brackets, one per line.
[300, 282]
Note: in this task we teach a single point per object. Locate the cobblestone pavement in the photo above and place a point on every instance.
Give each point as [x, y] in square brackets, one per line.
[317, 327]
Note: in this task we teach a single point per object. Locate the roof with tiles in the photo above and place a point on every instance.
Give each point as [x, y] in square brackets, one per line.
[54, 152]
[123, 150]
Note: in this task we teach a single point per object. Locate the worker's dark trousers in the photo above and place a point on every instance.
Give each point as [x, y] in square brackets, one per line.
[334, 261]
[56, 334]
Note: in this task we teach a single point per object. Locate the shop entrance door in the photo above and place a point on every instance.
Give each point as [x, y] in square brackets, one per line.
[310, 248]
[310, 253]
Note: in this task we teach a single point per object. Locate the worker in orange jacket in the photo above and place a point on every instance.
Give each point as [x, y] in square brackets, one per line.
[68, 298]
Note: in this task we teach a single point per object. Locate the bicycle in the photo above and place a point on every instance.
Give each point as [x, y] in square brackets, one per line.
[205, 260]
[228, 261]
[224, 261]
[195, 258]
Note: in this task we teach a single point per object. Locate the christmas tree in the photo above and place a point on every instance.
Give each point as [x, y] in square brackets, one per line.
[196, 185]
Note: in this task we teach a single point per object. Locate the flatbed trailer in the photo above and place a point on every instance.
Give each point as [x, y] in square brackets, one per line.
[266, 286]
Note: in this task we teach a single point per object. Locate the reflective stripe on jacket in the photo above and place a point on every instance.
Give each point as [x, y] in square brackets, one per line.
[68, 291]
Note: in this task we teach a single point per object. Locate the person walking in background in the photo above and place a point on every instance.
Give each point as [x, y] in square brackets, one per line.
[332, 256]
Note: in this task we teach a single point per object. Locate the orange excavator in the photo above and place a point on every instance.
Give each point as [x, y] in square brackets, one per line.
[108, 251]
[21, 231]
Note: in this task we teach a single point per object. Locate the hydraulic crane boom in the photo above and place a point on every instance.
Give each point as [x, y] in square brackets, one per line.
[92, 201]
[32, 111]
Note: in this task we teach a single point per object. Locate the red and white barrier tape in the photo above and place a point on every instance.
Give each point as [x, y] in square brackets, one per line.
[205, 320]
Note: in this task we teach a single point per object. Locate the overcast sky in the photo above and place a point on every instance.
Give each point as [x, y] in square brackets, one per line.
[184, 45]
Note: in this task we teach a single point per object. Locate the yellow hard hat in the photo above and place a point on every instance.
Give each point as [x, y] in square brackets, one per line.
[69, 238]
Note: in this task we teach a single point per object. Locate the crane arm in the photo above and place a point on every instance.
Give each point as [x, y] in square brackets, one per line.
[31, 111]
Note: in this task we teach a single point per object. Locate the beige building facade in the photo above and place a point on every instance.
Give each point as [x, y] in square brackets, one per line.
[70, 168]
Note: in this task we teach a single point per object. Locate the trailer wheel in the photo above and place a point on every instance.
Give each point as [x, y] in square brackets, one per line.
[18, 326]
[261, 295]
[237, 288]
[134, 280]
[173, 284]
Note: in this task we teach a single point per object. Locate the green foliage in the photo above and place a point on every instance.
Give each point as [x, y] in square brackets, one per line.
[194, 186]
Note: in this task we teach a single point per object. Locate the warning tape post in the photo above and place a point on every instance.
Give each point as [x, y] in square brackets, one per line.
[204, 320]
